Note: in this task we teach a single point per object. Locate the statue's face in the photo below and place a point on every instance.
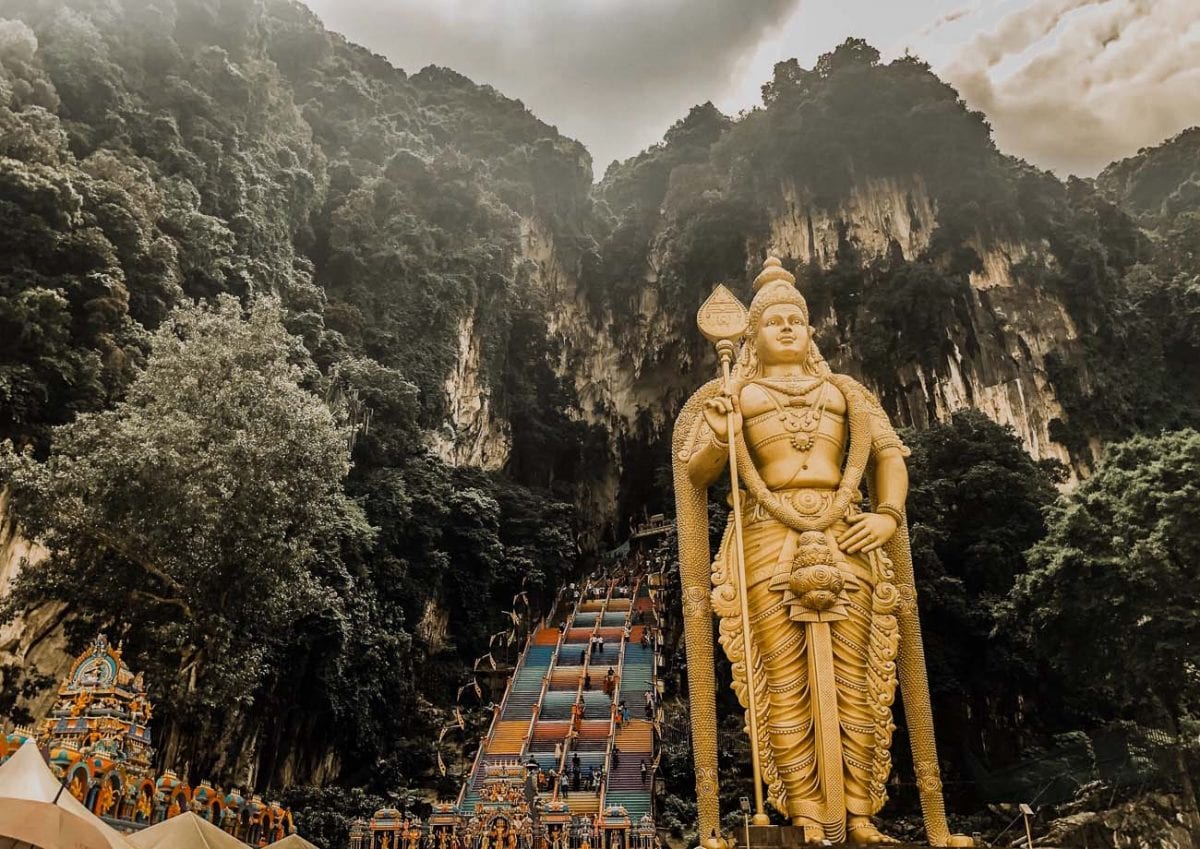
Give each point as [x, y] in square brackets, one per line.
[783, 335]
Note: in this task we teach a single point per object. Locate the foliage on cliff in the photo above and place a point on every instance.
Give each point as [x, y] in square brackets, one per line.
[154, 153]
[207, 508]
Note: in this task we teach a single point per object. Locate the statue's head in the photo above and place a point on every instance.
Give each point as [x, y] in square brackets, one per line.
[778, 330]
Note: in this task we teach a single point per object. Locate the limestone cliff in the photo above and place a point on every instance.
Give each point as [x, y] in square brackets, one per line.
[471, 434]
[34, 644]
[632, 373]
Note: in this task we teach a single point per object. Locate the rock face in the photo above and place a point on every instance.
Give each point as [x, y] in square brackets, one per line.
[877, 213]
[632, 375]
[1153, 822]
[999, 360]
[36, 642]
[471, 435]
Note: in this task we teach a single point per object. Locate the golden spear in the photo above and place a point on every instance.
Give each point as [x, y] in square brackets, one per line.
[723, 320]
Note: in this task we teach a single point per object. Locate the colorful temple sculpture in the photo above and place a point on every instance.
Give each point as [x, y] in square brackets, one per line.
[570, 757]
[97, 741]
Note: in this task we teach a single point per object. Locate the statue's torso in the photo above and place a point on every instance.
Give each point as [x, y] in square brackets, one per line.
[796, 438]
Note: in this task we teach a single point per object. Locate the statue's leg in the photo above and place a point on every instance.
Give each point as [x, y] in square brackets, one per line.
[782, 648]
[861, 755]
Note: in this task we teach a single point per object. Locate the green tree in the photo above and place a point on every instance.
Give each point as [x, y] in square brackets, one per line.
[202, 517]
[975, 505]
[1111, 599]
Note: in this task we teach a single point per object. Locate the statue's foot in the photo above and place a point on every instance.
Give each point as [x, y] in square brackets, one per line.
[861, 831]
[813, 832]
[960, 840]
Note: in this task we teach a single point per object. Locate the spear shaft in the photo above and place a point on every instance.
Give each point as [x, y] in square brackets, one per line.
[725, 350]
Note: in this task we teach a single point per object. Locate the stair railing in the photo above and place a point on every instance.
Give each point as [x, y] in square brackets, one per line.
[612, 720]
[527, 746]
[497, 713]
[587, 657]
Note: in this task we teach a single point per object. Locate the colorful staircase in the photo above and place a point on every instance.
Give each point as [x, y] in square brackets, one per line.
[539, 716]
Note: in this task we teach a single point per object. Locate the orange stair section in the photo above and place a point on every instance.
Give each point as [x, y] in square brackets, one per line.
[508, 738]
[636, 735]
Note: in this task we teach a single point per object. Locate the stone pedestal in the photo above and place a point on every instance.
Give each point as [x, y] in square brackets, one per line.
[789, 837]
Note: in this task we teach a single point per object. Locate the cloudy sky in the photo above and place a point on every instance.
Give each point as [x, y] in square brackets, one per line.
[1068, 84]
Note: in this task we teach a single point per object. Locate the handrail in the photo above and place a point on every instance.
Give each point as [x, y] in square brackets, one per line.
[587, 662]
[471, 778]
[496, 714]
[537, 705]
[612, 718]
[562, 761]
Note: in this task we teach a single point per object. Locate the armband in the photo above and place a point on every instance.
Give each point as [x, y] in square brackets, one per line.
[892, 510]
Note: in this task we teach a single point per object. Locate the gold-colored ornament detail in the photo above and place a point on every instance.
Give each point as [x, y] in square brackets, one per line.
[695, 602]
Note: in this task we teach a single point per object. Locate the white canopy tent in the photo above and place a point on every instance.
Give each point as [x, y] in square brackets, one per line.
[292, 841]
[185, 831]
[35, 810]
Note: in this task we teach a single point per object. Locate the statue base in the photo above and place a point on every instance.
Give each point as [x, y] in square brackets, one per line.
[790, 836]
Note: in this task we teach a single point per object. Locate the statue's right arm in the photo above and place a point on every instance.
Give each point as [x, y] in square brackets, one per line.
[708, 456]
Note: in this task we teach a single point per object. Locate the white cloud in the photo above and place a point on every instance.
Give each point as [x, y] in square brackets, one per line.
[1074, 84]
[1067, 84]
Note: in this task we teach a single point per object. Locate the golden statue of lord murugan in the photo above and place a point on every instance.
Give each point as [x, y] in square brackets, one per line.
[825, 588]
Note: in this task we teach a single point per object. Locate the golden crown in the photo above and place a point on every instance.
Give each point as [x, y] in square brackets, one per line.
[774, 285]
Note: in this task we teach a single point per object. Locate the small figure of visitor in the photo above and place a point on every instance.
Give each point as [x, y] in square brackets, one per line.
[644, 771]
[587, 680]
[563, 785]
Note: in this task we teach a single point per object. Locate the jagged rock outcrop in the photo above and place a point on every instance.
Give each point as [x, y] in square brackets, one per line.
[471, 434]
[36, 642]
[1152, 822]
[631, 375]
[876, 214]
[998, 362]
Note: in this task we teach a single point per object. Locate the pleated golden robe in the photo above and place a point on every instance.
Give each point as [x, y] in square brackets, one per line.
[808, 776]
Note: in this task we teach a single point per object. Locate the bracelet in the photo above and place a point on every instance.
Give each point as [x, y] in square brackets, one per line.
[713, 438]
[892, 510]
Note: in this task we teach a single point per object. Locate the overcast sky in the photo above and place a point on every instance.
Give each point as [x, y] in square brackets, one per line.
[1068, 84]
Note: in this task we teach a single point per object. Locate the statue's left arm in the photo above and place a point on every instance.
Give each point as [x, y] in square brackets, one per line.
[888, 484]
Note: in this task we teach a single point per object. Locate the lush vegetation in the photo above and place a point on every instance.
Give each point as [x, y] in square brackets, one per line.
[156, 153]
[247, 263]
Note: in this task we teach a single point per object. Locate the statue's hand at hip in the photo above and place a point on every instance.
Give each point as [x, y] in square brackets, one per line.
[867, 532]
[717, 414]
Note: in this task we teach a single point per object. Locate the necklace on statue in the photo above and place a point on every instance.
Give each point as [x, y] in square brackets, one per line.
[800, 417]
